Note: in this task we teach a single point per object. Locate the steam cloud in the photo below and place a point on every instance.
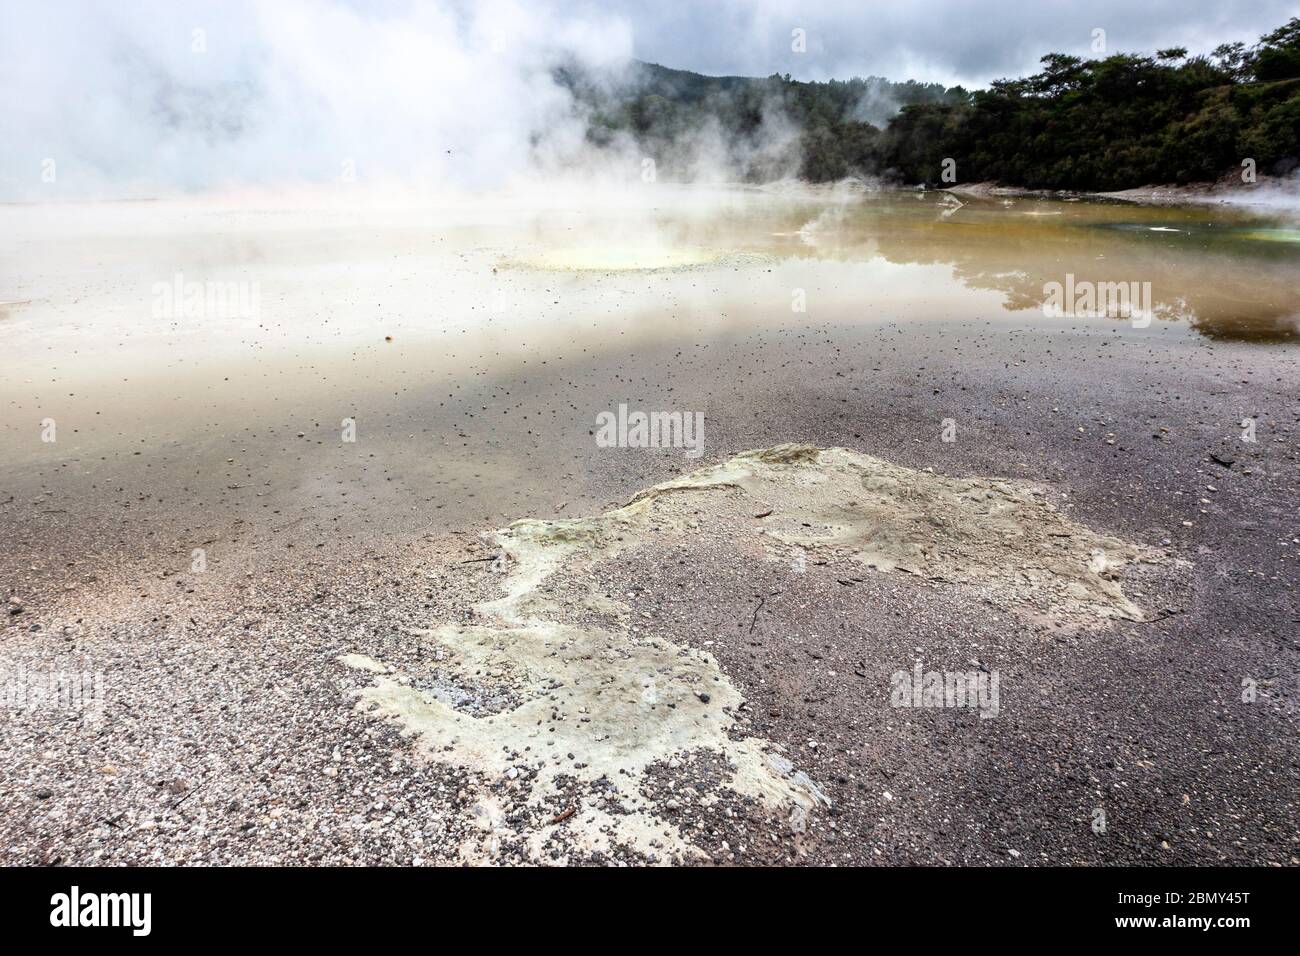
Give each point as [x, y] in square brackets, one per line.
[123, 99]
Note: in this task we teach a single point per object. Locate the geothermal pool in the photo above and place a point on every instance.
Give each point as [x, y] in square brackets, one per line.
[202, 358]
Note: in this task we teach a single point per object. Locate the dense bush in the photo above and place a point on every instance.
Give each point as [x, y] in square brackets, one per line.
[1116, 122]
[1121, 121]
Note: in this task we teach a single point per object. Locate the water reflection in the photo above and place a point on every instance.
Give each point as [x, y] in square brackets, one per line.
[1229, 273]
[1227, 277]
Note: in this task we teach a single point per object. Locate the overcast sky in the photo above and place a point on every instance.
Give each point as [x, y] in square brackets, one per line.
[142, 97]
[966, 41]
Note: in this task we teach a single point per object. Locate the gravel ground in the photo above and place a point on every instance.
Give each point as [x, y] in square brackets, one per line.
[227, 732]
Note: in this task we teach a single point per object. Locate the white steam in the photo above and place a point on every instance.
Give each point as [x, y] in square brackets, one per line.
[107, 100]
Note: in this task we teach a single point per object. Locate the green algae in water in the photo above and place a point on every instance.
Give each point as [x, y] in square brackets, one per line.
[1272, 235]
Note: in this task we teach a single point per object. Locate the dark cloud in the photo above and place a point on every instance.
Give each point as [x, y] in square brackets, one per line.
[967, 41]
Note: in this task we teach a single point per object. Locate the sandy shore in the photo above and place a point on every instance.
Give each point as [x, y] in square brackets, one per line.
[230, 730]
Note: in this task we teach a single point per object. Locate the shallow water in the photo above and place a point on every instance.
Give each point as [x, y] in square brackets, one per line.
[464, 337]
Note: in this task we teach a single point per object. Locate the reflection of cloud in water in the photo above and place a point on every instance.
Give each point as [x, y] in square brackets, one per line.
[620, 258]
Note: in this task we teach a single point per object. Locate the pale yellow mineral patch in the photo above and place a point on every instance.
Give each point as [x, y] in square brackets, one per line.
[607, 703]
[360, 662]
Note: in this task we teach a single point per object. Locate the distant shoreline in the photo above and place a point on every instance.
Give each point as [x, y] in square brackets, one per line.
[1226, 190]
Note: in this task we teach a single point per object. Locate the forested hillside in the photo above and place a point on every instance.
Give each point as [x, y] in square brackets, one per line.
[1091, 124]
